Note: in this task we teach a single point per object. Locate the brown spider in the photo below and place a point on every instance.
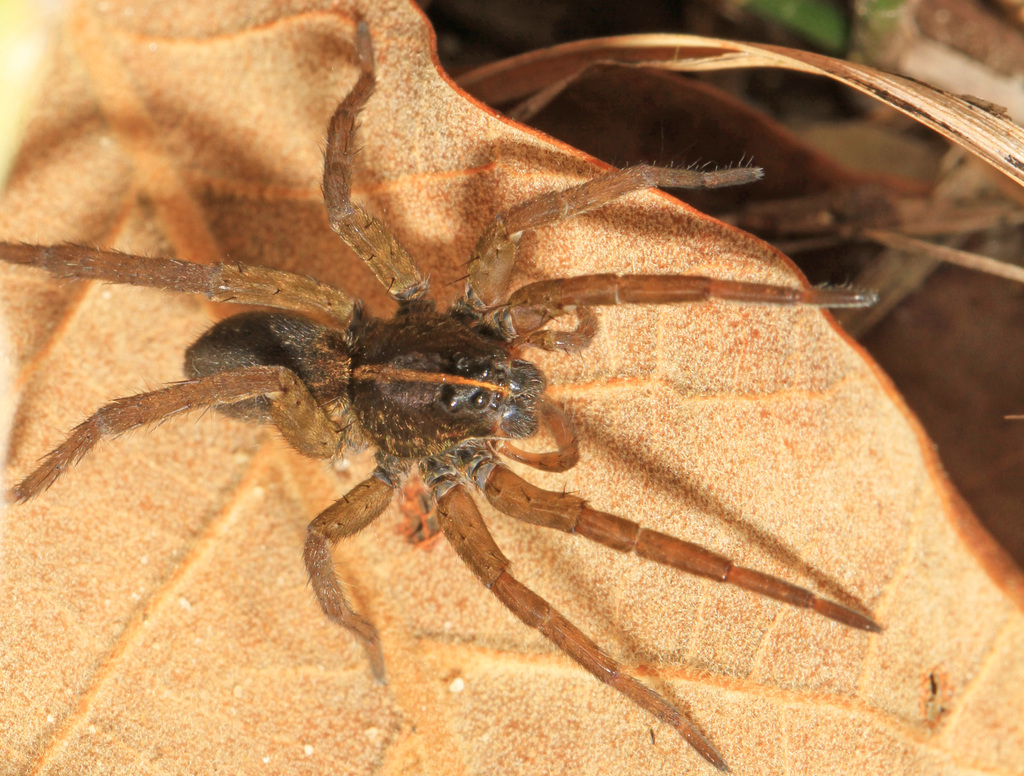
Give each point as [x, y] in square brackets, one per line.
[444, 391]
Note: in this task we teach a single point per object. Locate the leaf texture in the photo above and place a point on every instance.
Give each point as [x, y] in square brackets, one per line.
[154, 613]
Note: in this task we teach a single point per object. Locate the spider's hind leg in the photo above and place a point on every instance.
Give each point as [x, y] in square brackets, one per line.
[363, 233]
[293, 410]
[234, 283]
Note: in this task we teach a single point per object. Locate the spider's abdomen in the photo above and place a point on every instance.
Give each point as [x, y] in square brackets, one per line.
[317, 354]
[425, 382]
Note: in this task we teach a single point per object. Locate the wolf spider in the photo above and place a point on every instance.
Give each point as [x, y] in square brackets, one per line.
[444, 391]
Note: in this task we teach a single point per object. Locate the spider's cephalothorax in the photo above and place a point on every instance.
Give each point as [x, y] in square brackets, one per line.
[424, 382]
[442, 391]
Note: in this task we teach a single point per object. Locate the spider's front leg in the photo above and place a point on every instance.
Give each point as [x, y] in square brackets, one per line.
[522, 316]
[465, 529]
[511, 494]
[490, 268]
[533, 305]
[363, 233]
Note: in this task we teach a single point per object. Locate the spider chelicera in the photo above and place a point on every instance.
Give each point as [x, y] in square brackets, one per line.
[444, 391]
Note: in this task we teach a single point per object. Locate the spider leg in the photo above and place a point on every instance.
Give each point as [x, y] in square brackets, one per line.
[346, 517]
[533, 305]
[490, 267]
[516, 497]
[556, 294]
[563, 458]
[236, 283]
[301, 421]
[463, 525]
[363, 233]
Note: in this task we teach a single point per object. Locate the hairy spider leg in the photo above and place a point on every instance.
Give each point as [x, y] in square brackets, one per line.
[363, 233]
[296, 414]
[464, 526]
[533, 305]
[567, 452]
[346, 517]
[511, 494]
[556, 294]
[490, 268]
[235, 283]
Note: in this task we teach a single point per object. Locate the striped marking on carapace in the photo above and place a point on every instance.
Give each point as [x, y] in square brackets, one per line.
[382, 372]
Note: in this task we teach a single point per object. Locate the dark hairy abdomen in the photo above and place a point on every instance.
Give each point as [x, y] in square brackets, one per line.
[316, 353]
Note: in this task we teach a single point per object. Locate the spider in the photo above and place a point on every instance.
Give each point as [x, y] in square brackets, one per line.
[444, 391]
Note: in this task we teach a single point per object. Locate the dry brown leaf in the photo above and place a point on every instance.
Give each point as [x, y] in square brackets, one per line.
[154, 615]
[980, 127]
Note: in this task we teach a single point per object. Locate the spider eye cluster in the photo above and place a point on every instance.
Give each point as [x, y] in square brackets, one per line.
[484, 368]
[455, 398]
[491, 385]
[471, 395]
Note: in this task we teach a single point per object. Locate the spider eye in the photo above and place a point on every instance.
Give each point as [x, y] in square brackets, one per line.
[455, 397]
[449, 397]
